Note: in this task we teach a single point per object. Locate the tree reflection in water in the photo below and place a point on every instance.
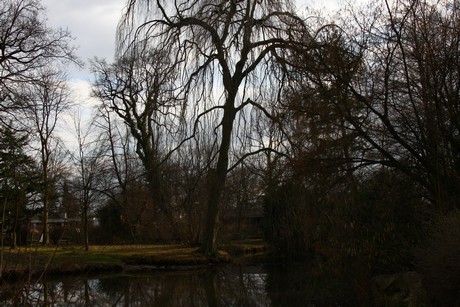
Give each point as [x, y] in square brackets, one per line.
[304, 285]
[216, 287]
[224, 286]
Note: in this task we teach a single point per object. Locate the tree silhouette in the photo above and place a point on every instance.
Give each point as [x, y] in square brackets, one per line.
[226, 55]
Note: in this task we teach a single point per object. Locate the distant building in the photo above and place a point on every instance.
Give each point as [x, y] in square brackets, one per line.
[62, 229]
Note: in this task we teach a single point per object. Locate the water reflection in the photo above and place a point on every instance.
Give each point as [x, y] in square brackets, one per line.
[227, 286]
[304, 285]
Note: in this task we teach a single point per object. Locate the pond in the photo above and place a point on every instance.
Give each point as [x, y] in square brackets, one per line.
[220, 286]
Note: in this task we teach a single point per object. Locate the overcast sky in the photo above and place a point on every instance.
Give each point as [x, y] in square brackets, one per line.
[91, 22]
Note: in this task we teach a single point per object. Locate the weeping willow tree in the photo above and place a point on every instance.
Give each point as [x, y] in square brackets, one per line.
[228, 64]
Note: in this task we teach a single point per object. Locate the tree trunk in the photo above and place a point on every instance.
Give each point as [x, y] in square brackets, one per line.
[217, 182]
[209, 246]
[159, 196]
[85, 226]
[5, 201]
[15, 227]
[45, 226]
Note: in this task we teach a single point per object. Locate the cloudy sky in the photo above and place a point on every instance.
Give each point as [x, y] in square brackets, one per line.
[91, 22]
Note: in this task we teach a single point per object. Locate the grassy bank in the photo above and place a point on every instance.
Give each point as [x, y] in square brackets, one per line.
[38, 261]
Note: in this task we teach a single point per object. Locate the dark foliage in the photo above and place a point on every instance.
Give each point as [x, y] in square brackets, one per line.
[439, 260]
[377, 224]
[111, 229]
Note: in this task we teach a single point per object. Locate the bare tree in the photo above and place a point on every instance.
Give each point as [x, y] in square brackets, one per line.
[228, 54]
[409, 89]
[387, 78]
[91, 169]
[137, 88]
[27, 44]
[45, 99]
[29, 89]
[123, 167]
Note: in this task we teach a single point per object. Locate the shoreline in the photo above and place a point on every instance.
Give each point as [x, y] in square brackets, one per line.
[27, 263]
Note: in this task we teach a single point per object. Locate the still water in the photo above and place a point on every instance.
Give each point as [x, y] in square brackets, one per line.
[221, 286]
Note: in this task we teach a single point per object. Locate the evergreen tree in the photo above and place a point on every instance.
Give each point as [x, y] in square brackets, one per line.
[17, 184]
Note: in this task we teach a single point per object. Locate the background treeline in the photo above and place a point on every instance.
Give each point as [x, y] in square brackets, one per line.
[336, 136]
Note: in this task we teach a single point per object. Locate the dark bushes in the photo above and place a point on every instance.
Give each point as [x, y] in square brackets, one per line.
[286, 223]
[375, 223]
[439, 260]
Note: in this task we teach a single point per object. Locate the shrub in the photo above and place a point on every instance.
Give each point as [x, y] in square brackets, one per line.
[439, 260]
[382, 225]
[375, 223]
[289, 222]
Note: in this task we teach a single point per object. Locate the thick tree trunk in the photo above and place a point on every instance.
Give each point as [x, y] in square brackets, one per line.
[159, 197]
[217, 183]
[209, 246]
